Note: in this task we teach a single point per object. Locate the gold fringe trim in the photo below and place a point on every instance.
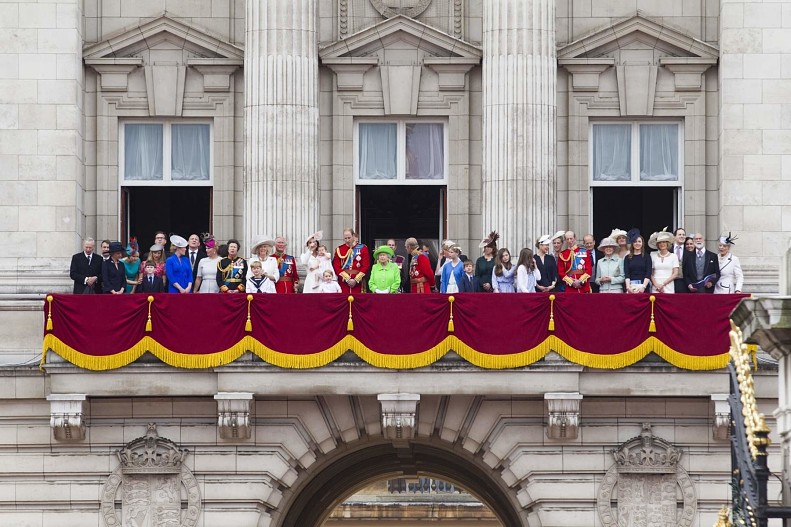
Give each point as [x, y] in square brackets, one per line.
[380, 360]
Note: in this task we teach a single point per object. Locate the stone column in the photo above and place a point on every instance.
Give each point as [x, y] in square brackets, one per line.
[519, 114]
[281, 113]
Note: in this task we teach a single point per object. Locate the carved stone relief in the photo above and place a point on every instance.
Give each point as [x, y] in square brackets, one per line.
[644, 484]
[391, 8]
[151, 480]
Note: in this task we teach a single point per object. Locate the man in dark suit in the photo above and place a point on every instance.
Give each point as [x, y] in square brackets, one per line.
[195, 253]
[589, 242]
[680, 236]
[701, 268]
[86, 269]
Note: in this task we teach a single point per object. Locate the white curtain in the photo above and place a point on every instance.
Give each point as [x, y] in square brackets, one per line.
[612, 152]
[143, 152]
[190, 152]
[377, 151]
[658, 152]
[425, 151]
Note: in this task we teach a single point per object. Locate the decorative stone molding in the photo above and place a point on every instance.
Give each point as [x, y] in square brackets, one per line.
[349, 71]
[585, 72]
[152, 472]
[399, 415]
[216, 72]
[391, 8]
[452, 71]
[233, 409]
[458, 18]
[66, 416]
[720, 431]
[648, 477]
[114, 72]
[563, 415]
[688, 71]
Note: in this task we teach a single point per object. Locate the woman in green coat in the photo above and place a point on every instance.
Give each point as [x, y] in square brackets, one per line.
[385, 275]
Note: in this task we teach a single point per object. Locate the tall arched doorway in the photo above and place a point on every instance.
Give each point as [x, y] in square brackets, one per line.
[310, 501]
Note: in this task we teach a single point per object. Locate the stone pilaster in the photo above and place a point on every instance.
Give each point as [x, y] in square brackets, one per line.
[281, 113]
[519, 114]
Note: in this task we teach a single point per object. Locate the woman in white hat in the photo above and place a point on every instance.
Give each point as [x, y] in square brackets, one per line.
[609, 268]
[731, 276]
[310, 259]
[546, 264]
[622, 248]
[663, 262]
[557, 248]
[261, 250]
[178, 267]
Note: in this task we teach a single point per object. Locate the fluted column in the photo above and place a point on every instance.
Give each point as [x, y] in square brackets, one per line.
[519, 114]
[281, 114]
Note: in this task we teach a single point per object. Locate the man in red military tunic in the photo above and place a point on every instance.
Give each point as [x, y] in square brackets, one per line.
[421, 275]
[575, 266]
[287, 266]
[351, 263]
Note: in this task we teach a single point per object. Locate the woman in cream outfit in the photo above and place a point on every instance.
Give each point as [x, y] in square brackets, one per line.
[731, 276]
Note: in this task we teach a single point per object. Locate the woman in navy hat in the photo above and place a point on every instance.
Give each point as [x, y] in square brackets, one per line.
[113, 270]
[637, 266]
[178, 267]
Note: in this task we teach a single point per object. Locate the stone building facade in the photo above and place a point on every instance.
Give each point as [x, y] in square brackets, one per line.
[432, 118]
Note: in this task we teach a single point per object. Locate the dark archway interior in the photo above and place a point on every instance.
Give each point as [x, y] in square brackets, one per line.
[316, 499]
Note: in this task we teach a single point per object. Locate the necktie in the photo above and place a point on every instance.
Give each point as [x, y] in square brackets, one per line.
[89, 260]
[151, 280]
[192, 257]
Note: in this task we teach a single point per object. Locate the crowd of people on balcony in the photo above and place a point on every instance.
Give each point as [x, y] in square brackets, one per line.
[621, 263]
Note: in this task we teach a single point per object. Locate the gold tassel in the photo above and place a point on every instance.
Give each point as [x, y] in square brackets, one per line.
[451, 327]
[49, 312]
[551, 312]
[350, 323]
[148, 322]
[652, 325]
[248, 326]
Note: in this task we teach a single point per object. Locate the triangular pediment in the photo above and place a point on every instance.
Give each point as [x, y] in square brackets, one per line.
[636, 32]
[161, 33]
[400, 29]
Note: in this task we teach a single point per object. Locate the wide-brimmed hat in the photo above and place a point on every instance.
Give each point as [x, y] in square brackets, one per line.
[607, 242]
[545, 240]
[559, 234]
[116, 247]
[260, 240]
[384, 249]
[632, 235]
[178, 241]
[318, 235]
[617, 233]
[156, 248]
[489, 240]
[661, 236]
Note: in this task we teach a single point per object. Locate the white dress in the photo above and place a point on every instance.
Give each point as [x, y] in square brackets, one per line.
[731, 276]
[207, 270]
[312, 272]
[663, 270]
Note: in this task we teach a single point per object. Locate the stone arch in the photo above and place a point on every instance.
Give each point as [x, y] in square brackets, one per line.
[318, 491]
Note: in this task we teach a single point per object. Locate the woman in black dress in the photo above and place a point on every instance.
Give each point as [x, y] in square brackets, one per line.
[484, 265]
[546, 265]
[637, 266]
[113, 271]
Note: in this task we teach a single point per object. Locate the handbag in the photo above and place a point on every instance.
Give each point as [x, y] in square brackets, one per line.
[88, 290]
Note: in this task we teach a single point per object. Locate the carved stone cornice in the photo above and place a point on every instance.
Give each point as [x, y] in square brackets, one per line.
[233, 409]
[399, 415]
[66, 418]
[585, 72]
[114, 71]
[349, 71]
[452, 71]
[688, 71]
[216, 72]
[563, 415]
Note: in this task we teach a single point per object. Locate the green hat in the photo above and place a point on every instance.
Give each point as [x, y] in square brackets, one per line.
[384, 249]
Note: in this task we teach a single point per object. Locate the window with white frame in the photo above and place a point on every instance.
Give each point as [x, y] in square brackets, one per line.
[636, 153]
[401, 152]
[165, 152]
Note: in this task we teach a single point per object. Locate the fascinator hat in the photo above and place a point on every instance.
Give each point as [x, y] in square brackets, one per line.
[489, 240]
[632, 235]
[730, 239]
